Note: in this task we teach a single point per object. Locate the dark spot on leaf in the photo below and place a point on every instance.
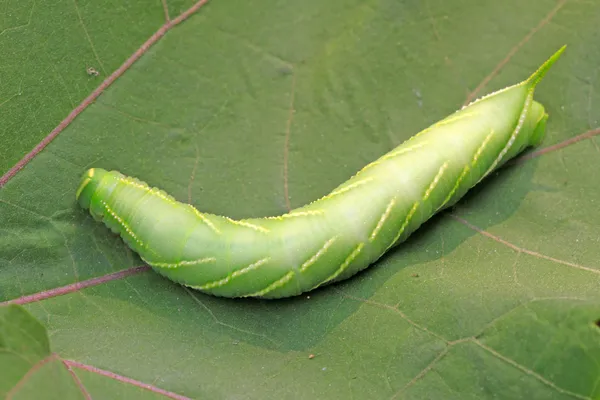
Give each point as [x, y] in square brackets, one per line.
[597, 323]
[284, 70]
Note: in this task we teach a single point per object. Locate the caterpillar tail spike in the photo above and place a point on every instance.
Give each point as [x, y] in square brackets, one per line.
[334, 237]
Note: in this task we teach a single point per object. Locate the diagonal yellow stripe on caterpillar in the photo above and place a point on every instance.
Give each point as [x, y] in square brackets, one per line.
[435, 181]
[467, 168]
[122, 223]
[309, 213]
[344, 265]
[412, 211]
[275, 285]
[392, 154]
[347, 188]
[153, 190]
[446, 121]
[83, 184]
[180, 263]
[234, 274]
[454, 118]
[384, 216]
[289, 275]
[400, 151]
[164, 196]
[487, 96]
[514, 135]
[248, 225]
[318, 254]
[205, 219]
[404, 225]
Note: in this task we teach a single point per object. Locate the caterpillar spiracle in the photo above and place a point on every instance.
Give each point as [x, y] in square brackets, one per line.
[332, 238]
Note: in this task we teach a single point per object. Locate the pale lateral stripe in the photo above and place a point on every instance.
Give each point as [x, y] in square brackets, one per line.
[248, 225]
[318, 254]
[404, 224]
[122, 223]
[468, 167]
[345, 264]
[514, 135]
[204, 219]
[234, 274]
[385, 215]
[275, 285]
[435, 181]
[181, 263]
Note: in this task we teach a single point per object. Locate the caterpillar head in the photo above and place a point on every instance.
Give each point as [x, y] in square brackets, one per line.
[89, 186]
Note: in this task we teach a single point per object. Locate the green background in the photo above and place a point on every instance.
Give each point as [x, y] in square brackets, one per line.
[248, 108]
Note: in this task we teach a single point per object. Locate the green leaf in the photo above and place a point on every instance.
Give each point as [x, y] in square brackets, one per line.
[246, 109]
[49, 52]
[28, 368]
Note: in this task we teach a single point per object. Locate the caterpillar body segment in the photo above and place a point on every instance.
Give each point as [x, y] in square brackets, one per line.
[334, 237]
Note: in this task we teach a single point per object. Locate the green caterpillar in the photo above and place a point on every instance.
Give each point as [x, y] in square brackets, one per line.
[336, 236]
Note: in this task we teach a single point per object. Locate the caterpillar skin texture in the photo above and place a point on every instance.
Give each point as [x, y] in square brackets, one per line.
[336, 236]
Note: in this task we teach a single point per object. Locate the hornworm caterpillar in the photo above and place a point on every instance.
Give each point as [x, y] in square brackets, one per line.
[336, 236]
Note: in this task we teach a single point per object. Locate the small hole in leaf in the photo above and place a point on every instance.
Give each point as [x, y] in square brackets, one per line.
[597, 323]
